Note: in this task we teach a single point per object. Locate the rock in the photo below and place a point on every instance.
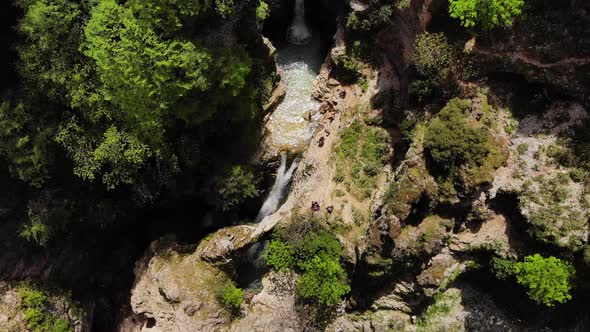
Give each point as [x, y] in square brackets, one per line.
[273, 308]
[177, 291]
[556, 208]
[277, 96]
[424, 240]
[441, 271]
[307, 116]
[11, 316]
[219, 247]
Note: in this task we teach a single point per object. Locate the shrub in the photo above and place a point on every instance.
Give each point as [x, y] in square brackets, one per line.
[315, 253]
[225, 8]
[347, 68]
[374, 17]
[503, 268]
[451, 142]
[236, 186]
[361, 154]
[485, 14]
[262, 12]
[433, 57]
[324, 280]
[279, 255]
[231, 296]
[433, 54]
[37, 317]
[549, 280]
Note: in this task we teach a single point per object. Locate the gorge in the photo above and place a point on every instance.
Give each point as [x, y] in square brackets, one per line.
[295, 165]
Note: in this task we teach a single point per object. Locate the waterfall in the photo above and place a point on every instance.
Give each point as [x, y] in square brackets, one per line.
[271, 204]
[299, 33]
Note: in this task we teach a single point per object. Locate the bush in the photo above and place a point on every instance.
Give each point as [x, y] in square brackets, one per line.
[315, 253]
[279, 255]
[236, 186]
[549, 280]
[374, 17]
[451, 142]
[433, 54]
[347, 68]
[433, 58]
[262, 12]
[485, 14]
[503, 268]
[323, 280]
[232, 296]
[38, 318]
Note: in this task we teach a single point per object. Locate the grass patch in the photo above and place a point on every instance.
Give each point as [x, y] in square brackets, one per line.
[361, 154]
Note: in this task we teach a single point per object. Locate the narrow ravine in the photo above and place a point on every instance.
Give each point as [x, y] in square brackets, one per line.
[291, 124]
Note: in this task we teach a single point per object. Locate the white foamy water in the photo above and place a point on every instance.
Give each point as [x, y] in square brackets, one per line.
[299, 32]
[277, 192]
[299, 65]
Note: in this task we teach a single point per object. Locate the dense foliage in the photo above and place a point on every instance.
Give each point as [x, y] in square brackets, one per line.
[124, 98]
[315, 253]
[38, 318]
[231, 296]
[433, 58]
[451, 142]
[548, 280]
[485, 14]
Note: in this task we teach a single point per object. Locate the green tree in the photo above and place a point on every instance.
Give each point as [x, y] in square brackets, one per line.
[485, 14]
[451, 142]
[316, 255]
[235, 187]
[24, 145]
[549, 280]
[231, 296]
[324, 281]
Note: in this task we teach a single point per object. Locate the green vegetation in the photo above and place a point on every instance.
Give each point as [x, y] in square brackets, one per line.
[262, 12]
[304, 246]
[124, 99]
[37, 316]
[348, 68]
[235, 187]
[433, 57]
[362, 152]
[548, 280]
[231, 296]
[461, 151]
[377, 15]
[553, 219]
[433, 319]
[485, 14]
[451, 142]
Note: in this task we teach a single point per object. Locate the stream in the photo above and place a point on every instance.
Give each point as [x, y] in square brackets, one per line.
[299, 62]
[291, 125]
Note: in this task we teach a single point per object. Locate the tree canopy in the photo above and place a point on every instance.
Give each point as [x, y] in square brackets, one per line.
[485, 14]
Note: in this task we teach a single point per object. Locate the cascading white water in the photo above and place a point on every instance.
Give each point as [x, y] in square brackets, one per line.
[271, 204]
[299, 33]
[290, 125]
[289, 130]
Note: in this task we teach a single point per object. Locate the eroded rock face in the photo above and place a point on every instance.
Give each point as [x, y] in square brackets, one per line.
[177, 291]
[555, 206]
[273, 308]
[543, 47]
[219, 247]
